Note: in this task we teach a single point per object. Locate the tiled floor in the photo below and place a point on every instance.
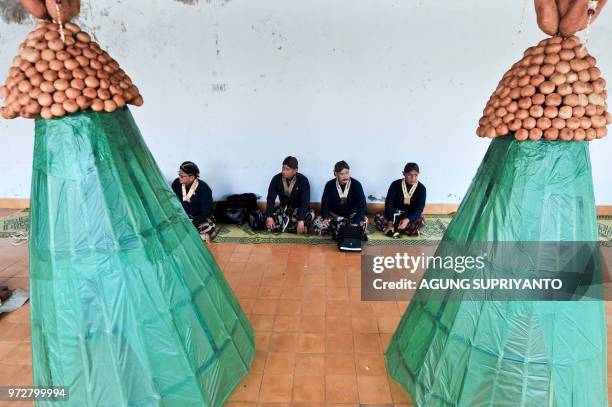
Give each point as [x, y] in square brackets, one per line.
[317, 342]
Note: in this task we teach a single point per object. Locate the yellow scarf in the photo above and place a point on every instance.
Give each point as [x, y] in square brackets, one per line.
[408, 194]
[187, 195]
[288, 186]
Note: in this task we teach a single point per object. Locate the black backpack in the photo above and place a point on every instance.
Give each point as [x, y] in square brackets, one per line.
[236, 208]
[350, 238]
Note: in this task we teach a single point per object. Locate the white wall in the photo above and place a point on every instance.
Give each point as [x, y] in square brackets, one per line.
[374, 82]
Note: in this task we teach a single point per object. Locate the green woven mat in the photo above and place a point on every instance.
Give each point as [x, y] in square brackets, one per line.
[430, 234]
[15, 224]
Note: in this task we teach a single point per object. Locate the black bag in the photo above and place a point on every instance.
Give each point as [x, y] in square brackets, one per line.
[236, 208]
[350, 238]
[257, 220]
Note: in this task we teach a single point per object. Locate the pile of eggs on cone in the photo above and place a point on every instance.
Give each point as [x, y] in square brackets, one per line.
[555, 92]
[56, 74]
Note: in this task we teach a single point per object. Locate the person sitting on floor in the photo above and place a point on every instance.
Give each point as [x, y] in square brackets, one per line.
[404, 205]
[343, 203]
[196, 197]
[293, 190]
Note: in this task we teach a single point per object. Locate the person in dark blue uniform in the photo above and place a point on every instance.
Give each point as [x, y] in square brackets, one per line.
[343, 203]
[196, 197]
[404, 205]
[293, 191]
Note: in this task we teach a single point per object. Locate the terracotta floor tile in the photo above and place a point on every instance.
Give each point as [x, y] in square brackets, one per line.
[280, 363]
[276, 388]
[385, 339]
[374, 390]
[13, 332]
[6, 347]
[338, 294]
[269, 292]
[314, 294]
[21, 354]
[339, 364]
[388, 324]
[248, 389]
[259, 362]
[339, 343]
[312, 324]
[309, 389]
[262, 340]
[341, 389]
[262, 322]
[265, 307]
[338, 325]
[287, 323]
[310, 364]
[364, 324]
[338, 309]
[310, 280]
[370, 364]
[367, 343]
[311, 343]
[291, 292]
[398, 394]
[386, 309]
[283, 342]
[289, 307]
[313, 307]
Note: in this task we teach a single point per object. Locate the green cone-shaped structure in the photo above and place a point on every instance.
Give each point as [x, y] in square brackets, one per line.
[511, 353]
[129, 308]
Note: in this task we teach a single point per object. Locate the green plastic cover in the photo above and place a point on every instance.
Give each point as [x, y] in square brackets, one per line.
[129, 307]
[511, 353]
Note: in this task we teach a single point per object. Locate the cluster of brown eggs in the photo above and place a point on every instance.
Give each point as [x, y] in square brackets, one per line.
[62, 71]
[554, 92]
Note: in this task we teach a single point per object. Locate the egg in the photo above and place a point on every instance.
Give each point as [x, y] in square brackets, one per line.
[537, 80]
[590, 110]
[543, 123]
[45, 100]
[566, 134]
[529, 123]
[547, 87]
[58, 110]
[46, 114]
[70, 106]
[83, 102]
[579, 135]
[547, 70]
[578, 111]
[551, 112]
[601, 132]
[91, 93]
[598, 121]
[521, 135]
[571, 100]
[591, 134]
[72, 94]
[551, 134]
[515, 125]
[56, 45]
[61, 84]
[535, 134]
[558, 123]
[522, 114]
[552, 59]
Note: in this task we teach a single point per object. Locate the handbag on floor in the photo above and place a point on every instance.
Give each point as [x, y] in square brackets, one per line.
[350, 238]
[236, 208]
